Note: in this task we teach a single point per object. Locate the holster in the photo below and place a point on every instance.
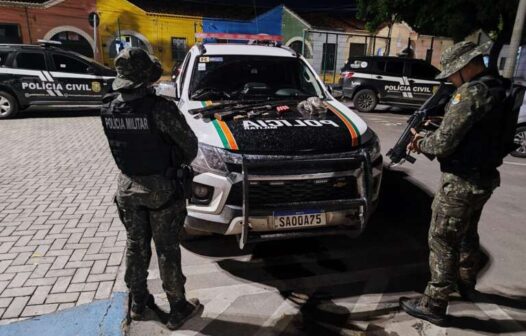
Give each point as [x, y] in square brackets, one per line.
[182, 178]
[185, 174]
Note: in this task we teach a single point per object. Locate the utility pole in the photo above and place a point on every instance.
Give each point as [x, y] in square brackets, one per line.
[516, 37]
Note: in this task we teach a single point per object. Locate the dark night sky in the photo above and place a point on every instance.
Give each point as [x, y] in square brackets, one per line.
[297, 5]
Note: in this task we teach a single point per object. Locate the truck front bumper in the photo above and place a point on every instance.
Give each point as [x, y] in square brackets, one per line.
[246, 217]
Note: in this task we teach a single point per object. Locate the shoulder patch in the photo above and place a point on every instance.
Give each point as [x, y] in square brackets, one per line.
[456, 99]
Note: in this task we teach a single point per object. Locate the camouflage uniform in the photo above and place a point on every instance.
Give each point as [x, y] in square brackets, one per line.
[453, 239]
[152, 206]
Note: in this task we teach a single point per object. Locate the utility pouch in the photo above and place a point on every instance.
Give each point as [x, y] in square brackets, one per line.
[185, 176]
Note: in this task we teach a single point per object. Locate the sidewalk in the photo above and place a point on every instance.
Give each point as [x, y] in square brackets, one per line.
[61, 243]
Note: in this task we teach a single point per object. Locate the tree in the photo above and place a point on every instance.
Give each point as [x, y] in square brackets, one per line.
[451, 18]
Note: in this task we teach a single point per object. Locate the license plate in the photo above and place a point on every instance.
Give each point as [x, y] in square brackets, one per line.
[298, 219]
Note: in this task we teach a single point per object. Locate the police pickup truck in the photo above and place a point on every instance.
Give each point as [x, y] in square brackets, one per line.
[395, 81]
[47, 76]
[278, 156]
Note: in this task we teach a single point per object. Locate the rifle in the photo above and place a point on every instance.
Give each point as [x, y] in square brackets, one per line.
[433, 107]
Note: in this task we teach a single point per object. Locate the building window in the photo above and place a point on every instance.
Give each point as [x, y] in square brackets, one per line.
[357, 49]
[126, 41]
[178, 48]
[32, 61]
[10, 33]
[328, 61]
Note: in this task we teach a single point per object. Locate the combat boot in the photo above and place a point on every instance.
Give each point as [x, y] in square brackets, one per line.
[181, 311]
[425, 308]
[467, 291]
[138, 305]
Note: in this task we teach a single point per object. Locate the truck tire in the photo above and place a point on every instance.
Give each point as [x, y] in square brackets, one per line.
[365, 100]
[520, 138]
[8, 105]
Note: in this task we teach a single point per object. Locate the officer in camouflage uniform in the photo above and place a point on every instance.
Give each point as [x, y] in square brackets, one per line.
[149, 139]
[469, 147]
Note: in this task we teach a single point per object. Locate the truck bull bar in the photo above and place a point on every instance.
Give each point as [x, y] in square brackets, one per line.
[364, 201]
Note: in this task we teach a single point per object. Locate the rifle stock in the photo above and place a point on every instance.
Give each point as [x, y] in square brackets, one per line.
[434, 106]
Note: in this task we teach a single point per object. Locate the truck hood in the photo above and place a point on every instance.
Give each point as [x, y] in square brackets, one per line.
[339, 130]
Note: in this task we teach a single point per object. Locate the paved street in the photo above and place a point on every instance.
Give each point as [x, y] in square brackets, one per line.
[61, 245]
[335, 285]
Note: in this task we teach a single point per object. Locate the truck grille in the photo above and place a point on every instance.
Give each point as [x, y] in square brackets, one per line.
[266, 193]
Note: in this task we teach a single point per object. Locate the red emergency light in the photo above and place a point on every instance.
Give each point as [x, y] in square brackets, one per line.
[242, 37]
[347, 74]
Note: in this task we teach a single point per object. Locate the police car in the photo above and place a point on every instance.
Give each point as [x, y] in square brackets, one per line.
[520, 133]
[266, 168]
[394, 81]
[46, 76]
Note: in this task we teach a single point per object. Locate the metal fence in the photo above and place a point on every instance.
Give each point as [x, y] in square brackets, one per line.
[328, 51]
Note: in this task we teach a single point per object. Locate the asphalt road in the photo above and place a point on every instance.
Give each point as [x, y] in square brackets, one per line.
[337, 285]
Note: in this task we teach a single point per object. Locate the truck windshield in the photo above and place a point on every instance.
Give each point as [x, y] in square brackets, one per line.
[239, 77]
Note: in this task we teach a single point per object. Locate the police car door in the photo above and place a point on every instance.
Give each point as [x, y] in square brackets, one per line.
[33, 79]
[76, 78]
[394, 83]
[421, 77]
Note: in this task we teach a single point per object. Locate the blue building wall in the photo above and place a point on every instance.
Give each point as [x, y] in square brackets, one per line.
[267, 23]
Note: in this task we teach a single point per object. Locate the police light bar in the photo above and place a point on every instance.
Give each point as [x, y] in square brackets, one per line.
[49, 43]
[241, 37]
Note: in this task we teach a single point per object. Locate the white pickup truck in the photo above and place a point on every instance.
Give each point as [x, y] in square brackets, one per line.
[266, 170]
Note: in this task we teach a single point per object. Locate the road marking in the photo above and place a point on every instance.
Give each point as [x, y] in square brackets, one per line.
[494, 312]
[284, 314]
[221, 302]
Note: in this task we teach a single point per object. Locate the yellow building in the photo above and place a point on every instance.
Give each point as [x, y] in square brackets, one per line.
[164, 35]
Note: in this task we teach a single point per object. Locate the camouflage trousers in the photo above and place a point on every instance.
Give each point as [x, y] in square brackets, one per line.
[453, 235]
[159, 216]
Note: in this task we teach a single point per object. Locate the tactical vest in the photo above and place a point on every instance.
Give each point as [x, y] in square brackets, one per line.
[481, 150]
[135, 142]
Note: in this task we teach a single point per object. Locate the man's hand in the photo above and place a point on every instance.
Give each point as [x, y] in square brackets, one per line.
[413, 145]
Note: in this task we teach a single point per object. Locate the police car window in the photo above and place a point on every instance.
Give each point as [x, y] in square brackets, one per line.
[246, 77]
[3, 57]
[69, 64]
[395, 68]
[184, 67]
[380, 66]
[32, 61]
[423, 70]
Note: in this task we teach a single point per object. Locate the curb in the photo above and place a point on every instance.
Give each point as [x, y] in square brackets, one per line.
[104, 317]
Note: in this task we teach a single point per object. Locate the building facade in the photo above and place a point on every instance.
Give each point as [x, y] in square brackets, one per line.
[403, 39]
[61, 20]
[168, 29]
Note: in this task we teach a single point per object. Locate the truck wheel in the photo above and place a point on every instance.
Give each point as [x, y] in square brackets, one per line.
[520, 138]
[8, 105]
[365, 100]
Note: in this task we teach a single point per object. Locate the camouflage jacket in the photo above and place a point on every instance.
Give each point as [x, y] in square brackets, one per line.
[173, 125]
[469, 104]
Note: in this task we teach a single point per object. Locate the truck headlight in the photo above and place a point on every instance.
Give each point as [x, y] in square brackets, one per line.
[210, 159]
[374, 148]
